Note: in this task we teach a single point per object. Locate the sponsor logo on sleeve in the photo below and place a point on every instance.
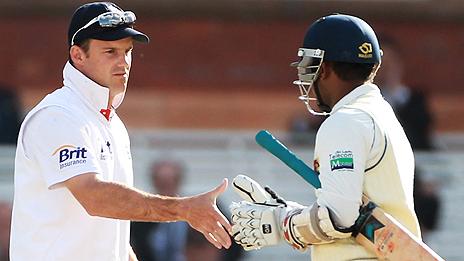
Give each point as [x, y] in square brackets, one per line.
[341, 160]
[69, 155]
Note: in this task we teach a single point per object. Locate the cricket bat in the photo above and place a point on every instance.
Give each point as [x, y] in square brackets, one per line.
[378, 231]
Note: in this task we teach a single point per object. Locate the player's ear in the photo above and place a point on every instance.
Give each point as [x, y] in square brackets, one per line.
[76, 54]
[325, 70]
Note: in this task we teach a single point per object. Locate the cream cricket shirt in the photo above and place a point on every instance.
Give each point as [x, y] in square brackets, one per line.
[362, 149]
[65, 135]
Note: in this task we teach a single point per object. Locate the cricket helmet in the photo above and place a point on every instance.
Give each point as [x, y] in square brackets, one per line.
[336, 38]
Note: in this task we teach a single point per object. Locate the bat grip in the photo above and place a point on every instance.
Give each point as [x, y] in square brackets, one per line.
[365, 212]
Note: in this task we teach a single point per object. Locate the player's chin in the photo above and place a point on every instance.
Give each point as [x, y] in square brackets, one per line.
[118, 87]
[120, 82]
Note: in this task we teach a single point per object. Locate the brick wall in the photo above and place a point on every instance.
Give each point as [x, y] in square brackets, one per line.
[229, 58]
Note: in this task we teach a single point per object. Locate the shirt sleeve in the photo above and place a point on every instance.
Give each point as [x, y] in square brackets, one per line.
[60, 145]
[341, 152]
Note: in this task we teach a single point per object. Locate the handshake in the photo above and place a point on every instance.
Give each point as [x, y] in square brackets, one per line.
[264, 219]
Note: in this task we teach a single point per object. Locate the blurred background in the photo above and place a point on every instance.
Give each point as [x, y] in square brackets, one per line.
[216, 72]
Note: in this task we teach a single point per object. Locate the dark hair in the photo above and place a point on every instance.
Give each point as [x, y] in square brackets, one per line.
[354, 71]
[84, 45]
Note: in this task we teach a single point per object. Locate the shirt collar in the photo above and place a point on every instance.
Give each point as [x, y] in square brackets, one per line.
[354, 94]
[93, 93]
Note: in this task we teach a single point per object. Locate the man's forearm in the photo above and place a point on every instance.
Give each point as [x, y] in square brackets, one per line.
[119, 201]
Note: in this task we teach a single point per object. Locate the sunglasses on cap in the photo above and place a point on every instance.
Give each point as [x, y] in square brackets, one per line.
[107, 20]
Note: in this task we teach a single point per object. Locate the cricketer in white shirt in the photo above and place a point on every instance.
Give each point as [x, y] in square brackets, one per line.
[362, 148]
[48, 223]
[73, 169]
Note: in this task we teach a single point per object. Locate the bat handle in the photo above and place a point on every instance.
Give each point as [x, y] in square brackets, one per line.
[364, 213]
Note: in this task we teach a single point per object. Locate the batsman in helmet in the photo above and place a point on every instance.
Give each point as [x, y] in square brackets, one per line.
[360, 149]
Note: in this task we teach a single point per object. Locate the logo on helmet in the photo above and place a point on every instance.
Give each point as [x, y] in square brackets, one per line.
[366, 50]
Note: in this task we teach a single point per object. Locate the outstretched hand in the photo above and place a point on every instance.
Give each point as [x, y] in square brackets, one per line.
[204, 216]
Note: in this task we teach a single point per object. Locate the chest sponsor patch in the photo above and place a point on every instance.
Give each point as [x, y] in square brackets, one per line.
[341, 159]
[69, 155]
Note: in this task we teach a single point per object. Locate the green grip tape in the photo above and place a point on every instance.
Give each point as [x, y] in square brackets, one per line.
[266, 140]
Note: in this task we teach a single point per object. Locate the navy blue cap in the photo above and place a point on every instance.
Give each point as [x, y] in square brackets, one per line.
[344, 38]
[87, 12]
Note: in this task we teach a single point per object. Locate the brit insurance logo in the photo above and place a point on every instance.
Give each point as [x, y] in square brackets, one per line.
[341, 159]
[366, 50]
[69, 155]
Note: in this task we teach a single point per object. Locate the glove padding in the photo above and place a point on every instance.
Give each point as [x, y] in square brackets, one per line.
[257, 221]
[250, 190]
[256, 225]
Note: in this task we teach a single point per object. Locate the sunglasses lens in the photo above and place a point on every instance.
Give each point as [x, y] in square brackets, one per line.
[115, 19]
[129, 17]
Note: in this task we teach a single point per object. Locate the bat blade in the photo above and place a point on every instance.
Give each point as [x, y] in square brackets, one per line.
[390, 240]
[380, 232]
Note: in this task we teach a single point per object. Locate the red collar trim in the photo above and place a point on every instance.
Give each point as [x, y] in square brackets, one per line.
[106, 113]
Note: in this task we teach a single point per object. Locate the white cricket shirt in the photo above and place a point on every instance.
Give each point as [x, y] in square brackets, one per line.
[66, 135]
[362, 149]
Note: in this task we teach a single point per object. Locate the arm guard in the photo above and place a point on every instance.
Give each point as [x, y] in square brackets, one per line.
[311, 226]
